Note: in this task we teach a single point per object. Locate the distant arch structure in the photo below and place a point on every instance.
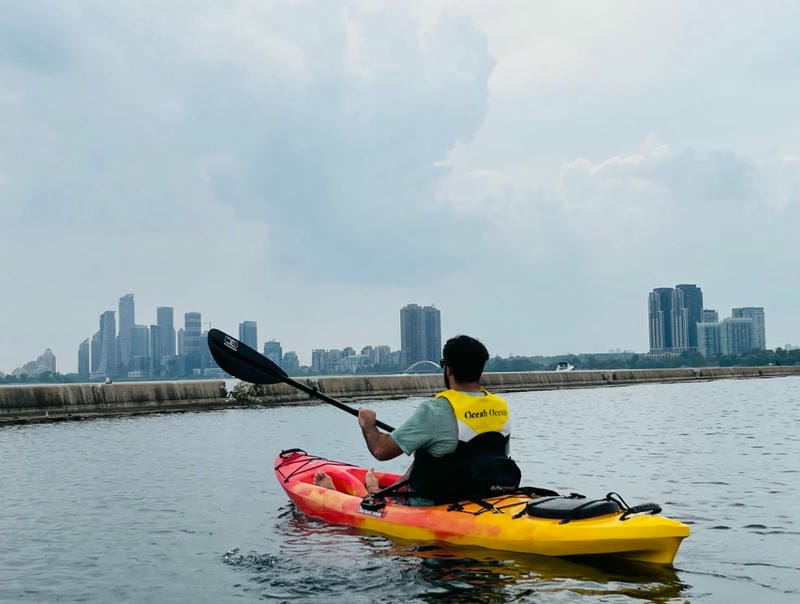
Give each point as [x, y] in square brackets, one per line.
[422, 367]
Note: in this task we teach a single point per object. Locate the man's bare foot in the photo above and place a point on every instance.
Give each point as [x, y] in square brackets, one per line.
[371, 481]
[321, 479]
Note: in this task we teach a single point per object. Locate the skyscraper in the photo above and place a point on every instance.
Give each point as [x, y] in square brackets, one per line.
[165, 320]
[736, 335]
[140, 341]
[659, 311]
[126, 323]
[95, 348]
[691, 299]
[248, 333]
[709, 342]
[83, 359]
[756, 313]
[192, 341]
[291, 361]
[433, 333]
[106, 337]
[274, 352]
[420, 334]
[673, 315]
[157, 348]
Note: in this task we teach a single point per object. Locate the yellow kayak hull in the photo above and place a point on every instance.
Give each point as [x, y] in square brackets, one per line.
[506, 526]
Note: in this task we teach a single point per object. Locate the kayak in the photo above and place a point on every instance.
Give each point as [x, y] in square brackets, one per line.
[527, 520]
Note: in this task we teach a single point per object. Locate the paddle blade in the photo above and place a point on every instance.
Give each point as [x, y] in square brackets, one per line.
[241, 361]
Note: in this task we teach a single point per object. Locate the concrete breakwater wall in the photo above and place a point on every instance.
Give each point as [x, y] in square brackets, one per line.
[400, 386]
[20, 404]
[76, 401]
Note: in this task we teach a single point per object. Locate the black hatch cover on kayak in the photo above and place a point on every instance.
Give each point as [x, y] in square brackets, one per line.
[570, 508]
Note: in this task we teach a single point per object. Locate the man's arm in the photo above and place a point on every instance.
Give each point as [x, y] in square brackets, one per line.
[379, 443]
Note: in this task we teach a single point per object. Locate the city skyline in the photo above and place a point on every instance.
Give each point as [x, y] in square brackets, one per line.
[532, 169]
[678, 322]
[673, 314]
[161, 351]
[272, 348]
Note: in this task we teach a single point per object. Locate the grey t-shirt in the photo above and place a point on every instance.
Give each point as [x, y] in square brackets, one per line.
[432, 427]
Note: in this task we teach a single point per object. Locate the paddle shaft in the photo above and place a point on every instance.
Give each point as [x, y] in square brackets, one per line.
[332, 401]
[245, 363]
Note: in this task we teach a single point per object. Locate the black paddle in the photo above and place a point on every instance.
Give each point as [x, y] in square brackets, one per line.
[246, 364]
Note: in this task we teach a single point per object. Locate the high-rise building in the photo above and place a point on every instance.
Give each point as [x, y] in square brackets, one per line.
[95, 347]
[248, 333]
[191, 332]
[206, 360]
[107, 363]
[381, 354]
[689, 306]
[274, 352]
[140, 341]
[710, 316]
[157, 347]
[318, 356]
[736, 335]
[291, 361]
[756, 313]
[165, 320]
[83, 359]
[709, 341]
[659, 311]
[433, 333]
[192, 341]
[673, 315]
[420, 334]
[126, 323]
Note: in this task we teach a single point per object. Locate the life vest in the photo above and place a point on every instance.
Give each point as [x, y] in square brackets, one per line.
[479, 466]
[478, 414]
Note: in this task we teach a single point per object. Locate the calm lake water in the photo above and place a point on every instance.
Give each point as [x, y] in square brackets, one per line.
[185, 507]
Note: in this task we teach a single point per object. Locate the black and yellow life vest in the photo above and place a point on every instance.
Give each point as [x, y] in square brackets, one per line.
[478, 414]
[480, 465]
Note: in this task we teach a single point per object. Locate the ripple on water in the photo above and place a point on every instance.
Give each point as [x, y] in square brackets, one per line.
[318, 561]
[184, 508]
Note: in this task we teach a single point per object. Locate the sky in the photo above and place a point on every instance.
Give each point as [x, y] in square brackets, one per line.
[533, 169]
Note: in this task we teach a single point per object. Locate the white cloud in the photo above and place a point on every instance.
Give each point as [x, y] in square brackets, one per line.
[315, 166]
[646, 195]
[617, 202]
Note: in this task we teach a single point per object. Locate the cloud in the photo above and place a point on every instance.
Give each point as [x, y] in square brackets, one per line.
[624, 202]
[645, 195]
[331, 143]
[316, 165]
[348, 161]
[169, 148]
[33, 39]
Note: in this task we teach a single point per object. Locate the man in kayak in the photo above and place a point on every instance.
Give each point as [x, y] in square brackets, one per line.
[459, 438]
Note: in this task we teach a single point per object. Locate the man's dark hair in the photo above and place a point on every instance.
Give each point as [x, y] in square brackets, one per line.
[466, 356]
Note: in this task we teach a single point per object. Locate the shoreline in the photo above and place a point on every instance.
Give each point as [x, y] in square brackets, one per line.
[41, 403]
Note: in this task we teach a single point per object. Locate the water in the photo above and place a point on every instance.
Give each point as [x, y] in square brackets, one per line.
[185, 507]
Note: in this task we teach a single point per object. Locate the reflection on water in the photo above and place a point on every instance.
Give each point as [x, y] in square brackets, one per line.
[320, 561]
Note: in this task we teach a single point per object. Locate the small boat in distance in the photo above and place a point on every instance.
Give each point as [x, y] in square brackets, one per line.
[564, 366]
